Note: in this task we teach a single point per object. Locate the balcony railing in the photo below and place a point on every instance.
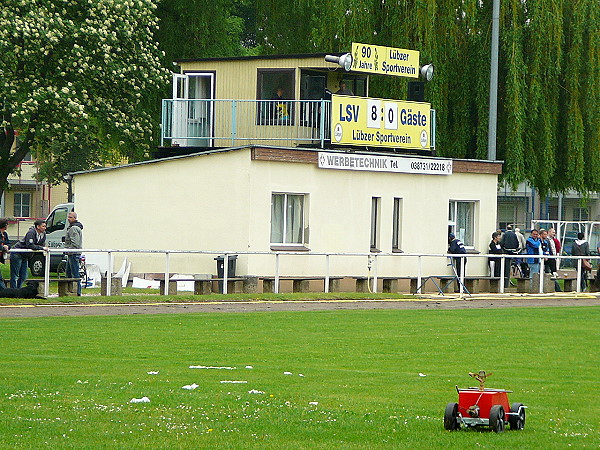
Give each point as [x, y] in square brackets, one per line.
[227, 123]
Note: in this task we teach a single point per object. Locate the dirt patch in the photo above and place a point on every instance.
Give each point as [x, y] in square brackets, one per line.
[475, 302]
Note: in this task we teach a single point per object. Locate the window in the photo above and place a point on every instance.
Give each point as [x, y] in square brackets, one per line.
[580, 214]
[375, 217]
[397, 225]
[287, 219]
[22, 204]
[461, 221]
[275, 86]
[57, 220]
[507, 214]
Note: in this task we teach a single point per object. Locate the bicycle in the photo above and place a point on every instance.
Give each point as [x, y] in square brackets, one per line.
[61, 270]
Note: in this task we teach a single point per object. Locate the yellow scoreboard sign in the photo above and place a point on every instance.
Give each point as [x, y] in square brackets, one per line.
[379, 122]
[385, 60]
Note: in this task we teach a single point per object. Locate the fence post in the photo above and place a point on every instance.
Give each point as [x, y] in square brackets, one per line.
[162, 123]
[167, 273]
[109, 275]
[326, 273]
[47, 273]
[418, 291]
[233, 122]
[375, 274]
[225, 271]
[542, 270]
[276, 289]
[463, 259]
[502, 266]
[322, 124]
[579, 274]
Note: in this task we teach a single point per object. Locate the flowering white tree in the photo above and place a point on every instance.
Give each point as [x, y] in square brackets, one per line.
[78, 82]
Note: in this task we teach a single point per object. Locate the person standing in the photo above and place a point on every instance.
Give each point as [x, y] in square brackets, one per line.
[522, 240]
[581, 247]
[495, 249]
[510, 244]
[455, 246]
[4, 247]
[534, 247]
[555, 244]
[34, 239]
[545, 245]
[522, 249]
[74, 239]
[552, 263]
[280, 111]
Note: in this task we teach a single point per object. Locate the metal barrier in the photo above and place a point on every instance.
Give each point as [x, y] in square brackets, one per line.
[223, 123]
[372, 264]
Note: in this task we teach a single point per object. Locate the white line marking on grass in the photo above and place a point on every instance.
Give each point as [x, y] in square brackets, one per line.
[213, 367]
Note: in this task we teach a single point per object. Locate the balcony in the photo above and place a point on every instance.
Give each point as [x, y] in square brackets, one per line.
[230, 123]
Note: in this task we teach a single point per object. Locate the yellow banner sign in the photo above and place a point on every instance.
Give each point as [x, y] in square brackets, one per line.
[385, 60]
[380, 123]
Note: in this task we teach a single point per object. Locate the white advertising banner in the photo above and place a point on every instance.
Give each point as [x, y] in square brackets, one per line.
[378, 163]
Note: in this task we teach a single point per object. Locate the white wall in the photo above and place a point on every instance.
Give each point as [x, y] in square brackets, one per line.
[340, 212]
[222, 202]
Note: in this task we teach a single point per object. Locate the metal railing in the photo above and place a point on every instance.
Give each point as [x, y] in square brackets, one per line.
[372, 263]
[224, 123]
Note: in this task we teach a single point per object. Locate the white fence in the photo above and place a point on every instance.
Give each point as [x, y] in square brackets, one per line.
[372, 261]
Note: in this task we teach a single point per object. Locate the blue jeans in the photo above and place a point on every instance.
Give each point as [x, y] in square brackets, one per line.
[534, 268]
[18, 270]
[73, 270]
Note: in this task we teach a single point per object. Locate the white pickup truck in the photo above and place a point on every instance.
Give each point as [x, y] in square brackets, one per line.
[56, 230]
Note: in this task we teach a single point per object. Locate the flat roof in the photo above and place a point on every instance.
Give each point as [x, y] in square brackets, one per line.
[248, 58]
[295, 149]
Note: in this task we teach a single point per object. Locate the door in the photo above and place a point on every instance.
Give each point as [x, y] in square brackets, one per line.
[180, 111]
[312, 87]
[193, 109]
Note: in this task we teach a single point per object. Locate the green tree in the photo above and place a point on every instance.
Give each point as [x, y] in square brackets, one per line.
[75, 76]
[549, 67]
[205, 28]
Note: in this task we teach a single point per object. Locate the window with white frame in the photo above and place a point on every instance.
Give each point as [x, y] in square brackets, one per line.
[461, 221]
[287, 218]
[375, 219]
[22, 204]
[397, 225]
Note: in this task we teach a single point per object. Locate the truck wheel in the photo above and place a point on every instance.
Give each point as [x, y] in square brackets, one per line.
[36, 264]
[497, 418]
[517, 422]
[451, 421]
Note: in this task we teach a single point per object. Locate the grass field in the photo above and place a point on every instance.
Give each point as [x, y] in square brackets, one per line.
[355, 378]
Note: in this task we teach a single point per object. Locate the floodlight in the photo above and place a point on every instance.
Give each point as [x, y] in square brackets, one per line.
[427, 72]
[345, 61]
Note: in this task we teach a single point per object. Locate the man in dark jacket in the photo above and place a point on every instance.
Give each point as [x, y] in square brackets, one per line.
[455, 246]
[511, 246]
[34, 239]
